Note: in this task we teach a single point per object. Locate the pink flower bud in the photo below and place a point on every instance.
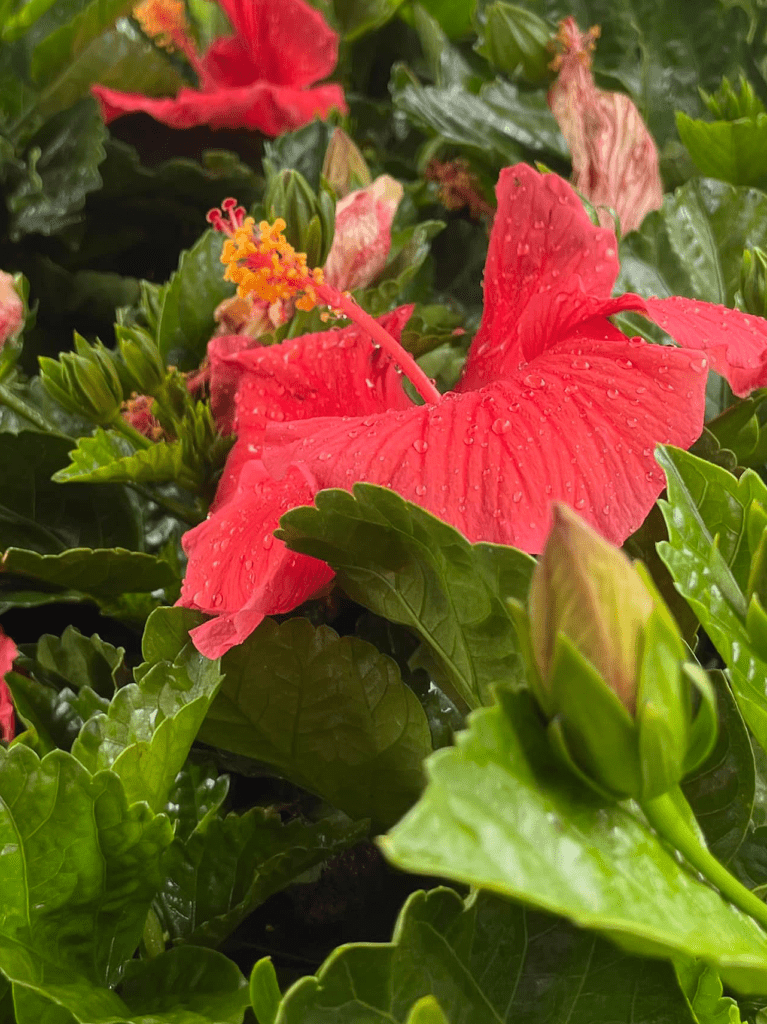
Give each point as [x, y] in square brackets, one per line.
[615, 160]
[11, 308]
[363, 234]
[8, 652]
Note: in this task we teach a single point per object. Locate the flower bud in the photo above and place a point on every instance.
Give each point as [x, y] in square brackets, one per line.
[11, 308]
[309, 218]
[344, 167]
[727, 105]
[85, 382]
[363, 234]
[143, 363]
[607, 666]
[752, 294]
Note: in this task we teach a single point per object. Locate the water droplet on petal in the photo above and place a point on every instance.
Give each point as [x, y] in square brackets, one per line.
[580, 503]
[420, 489]
[420, 445]
[267, 541]
[534, 380]
[579, 363]
[516, 496]
[613, 393]
[500, 426]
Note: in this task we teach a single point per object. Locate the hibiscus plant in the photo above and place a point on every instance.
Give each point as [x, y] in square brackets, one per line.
[383, 521]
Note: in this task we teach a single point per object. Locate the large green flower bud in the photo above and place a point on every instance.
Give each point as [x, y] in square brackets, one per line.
[85, 382]
[309, 218]
[608, 667]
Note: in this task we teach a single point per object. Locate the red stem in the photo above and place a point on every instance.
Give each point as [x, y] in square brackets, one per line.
[334, 298]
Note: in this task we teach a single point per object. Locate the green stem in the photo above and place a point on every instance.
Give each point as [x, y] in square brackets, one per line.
[124, 428]
[19, 406]
[176, 508]
[665, 817]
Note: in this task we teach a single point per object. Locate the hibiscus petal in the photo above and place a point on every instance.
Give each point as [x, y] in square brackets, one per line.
[237, 570]
[288, 41]
[362, 238]
[735, 343]
[578, 425]
[548, 268]
[8, 652]
[312, 375]
[269, 108]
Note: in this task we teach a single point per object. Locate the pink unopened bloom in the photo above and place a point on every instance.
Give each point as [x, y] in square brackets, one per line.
[8, 653]
[257, 78]
[11, 308]
[137, 412]
[362, 237]
[555, 404]
[615, 160]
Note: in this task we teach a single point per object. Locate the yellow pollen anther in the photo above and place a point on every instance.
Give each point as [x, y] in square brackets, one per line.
[263, 263]
[165, 22]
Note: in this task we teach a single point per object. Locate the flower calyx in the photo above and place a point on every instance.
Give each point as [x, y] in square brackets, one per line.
[608, 668]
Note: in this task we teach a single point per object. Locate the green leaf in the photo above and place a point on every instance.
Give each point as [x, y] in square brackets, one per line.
[229, 866]
[264, 991]
[453, 15]
[358, 17]
[40, 515]
[84, 871]
[703, 988]
[61, 168]
[59, 49]
[694, 244]
[733, 151]
[516, 40]
[499, 813]
[409, 567]
[721, 792]
[708, 555]
[329, 713]
[146, 734]
[108, 456]
[409, 250]
[196, 795]
[120, 58]
[188, 301]
[56, 715]
[76, 660]
[499, 124]
[485, 961]
[105, 572]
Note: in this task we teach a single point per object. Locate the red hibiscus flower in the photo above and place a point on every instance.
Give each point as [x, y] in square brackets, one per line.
[256, 78]
[8, 653]
[555, 404]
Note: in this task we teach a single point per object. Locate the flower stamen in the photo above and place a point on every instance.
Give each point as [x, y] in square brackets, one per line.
[165, 22]
[263, 263]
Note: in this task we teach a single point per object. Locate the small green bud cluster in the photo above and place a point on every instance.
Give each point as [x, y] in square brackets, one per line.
[309, 216]
[85, 382]
[728, 105]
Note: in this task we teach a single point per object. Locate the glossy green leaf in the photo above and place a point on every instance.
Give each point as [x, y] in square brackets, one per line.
[61, 167]
[146, 734]
[703, 988]
[108, 456]
[76, 660]
[515, 40]
[264, 991]
[706, 502]
[329, 713]
[409, 567]
[102, 572]
[409, 251]
[499, 124]
[485, 961]
[446, 63]
[694, 244]
[188, 301]
[59, 49]
[43, 516]
[79, 871]
[721, 792]
[358, 17]
[196, 795]
[499, 813]
[231, 865]
[120, 57]
[56, 715]
[454, 16]
[733, 151]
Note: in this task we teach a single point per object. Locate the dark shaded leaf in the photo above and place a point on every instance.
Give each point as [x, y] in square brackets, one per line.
[104, 572]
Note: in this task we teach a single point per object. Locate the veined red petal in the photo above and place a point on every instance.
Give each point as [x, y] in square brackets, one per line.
[735, 342]
[238, 571]
[271, 109]
[547, 269]
[8, 652]
[578, 425]
[319, 375]
[289, 41]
